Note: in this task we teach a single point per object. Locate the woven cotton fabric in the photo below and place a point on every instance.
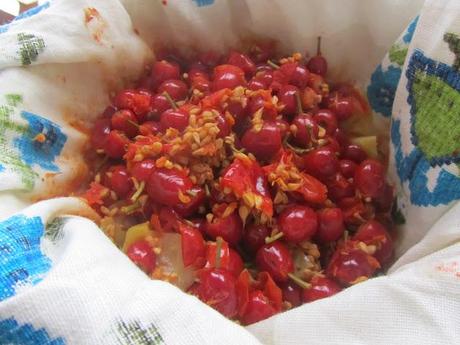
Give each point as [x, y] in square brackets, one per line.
[62, 281]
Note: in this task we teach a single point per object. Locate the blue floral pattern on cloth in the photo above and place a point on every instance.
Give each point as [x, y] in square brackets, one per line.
[13, 333]
[21, 259]
[410, 31]
[382, 89]
[202, 3]
[37, 152]
[434, 93]
[26, 14]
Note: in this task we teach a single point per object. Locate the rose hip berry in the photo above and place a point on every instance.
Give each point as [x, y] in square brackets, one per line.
[263, 143]
[298, 223]
[116, 144]
[321, 287]
[142, 255]
[258, 308]
[370, 178]
[227, 77]
[126, 122]
[275, 258]
[330, 225]
[230, 228]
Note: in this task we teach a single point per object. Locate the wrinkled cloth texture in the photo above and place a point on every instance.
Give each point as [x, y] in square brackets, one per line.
[62, 281]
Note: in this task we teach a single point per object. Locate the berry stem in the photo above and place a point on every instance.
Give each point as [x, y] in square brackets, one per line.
[170, 100]
[272, 64]
[299, 102]
[273, 238]
[133, 123]
[218, 250]
[318, 46]
[298, 281]
[138, 192]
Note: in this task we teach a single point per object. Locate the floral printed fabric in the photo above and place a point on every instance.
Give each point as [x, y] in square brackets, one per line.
[63, 282]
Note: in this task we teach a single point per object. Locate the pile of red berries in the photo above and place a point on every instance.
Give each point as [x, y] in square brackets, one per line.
[245, 159]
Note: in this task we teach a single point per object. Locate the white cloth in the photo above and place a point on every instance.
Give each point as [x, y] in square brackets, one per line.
[63, 282]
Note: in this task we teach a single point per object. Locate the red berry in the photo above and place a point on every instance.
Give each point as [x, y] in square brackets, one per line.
[338, 187]
[138, 101]
[370, 178]
[159, 105]
[258, 308]
[374, 233]
[229, 228]
[142, 255]
[216, 288]
[164, 186]
[265, 77]
[100, 132]
[326, 119]
[164, 70]
[257, 102]
[116, 144]
[177, 89]
[254, 237]
[275, 259]
[351, 265]
[298, 223]
[317, 64]
[255, 84]
[296, 74]
[242, 61]
[125, 121]
[283, 126]
[347, 168]
[168, 218]
[321, 162]
[227, 76]
[224, 127]
[306, 130]
[287, 97]
[192, 245]
[330, 225]
[265, 143]
[354, 153]
[292, 293]
[235, 263]
[173, 118]
[321, 287]
[342, 106]
[119, 180]
[197, 196]
[149, 128]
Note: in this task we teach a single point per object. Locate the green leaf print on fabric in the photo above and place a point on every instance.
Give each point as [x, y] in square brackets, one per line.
[454, 46]
[397, 54]
[133, 333]
[30, 46]
[437, 124]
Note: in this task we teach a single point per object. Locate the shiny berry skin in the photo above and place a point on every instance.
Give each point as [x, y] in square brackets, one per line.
[142, 170]
[224, 127]
[318, 65]
[287, 97]
[99, 133]
[173, 118]
[349, 266]
[370, 178]
[275, 258]
[265, 77]
[292, 293]
[263, 144]
[159, 105]
[341, 137]
[216, 288]
[116, 144]
[119, 180]
[177, 89]
[138, 101]
[326, 119]
[126, 122]
[254, 237]
[150, 127]
[374, 233]
[227, 76]
[347, 168]
[305, 127]
[169, 220]
[354, 153]
[142, 255]
[298, 223]
[321, 162]
[283, 126]
[164, 185]
[193, 246]
[164, 70]
[229, 228]
[330, 225]
[258, 308]
[342, 106]
[235, 263]
[296, 74]
[242, 61]
[197, 198]
[339, 187]
[321, 287]
[255, 84]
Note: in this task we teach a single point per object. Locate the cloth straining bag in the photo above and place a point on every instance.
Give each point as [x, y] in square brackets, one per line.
[63, 282]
